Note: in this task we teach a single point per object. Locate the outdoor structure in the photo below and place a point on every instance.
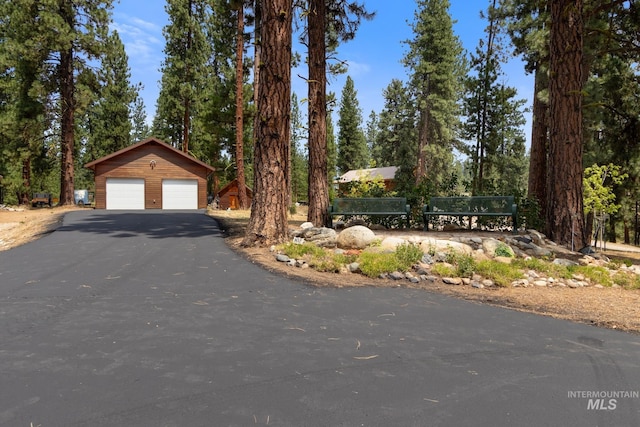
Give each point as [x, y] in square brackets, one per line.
[150, 175]
[228, 196]
[387, 174]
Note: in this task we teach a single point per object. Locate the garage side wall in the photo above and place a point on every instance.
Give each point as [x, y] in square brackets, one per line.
[153, 163]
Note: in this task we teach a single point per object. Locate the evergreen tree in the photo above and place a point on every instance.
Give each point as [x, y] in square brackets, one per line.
[396, 138]
[23, 52]
[329, 22]
[565, 220]
[268, 221]
[494, 120]
[435, 67]
[352, 144]
[110, 118]
[81, 29]
[299, 168]
[183, 71]
[140, 130]
[371, 134]
[527, 24]
[332, 149]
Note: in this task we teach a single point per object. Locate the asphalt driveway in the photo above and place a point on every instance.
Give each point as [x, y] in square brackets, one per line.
[148, 319]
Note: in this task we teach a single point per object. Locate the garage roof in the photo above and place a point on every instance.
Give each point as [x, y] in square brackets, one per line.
[152, 140]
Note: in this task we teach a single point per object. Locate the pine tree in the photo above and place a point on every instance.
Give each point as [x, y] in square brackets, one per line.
[183, 71]
[527, 23]
[81, 30]
[352, 145]
[23, 52]
[110, 116]
[396, 141]
[299, 168]
[494, 120]
[268, 221]
[139, 128]
[329, 22]
[436, 67]
[565, 219]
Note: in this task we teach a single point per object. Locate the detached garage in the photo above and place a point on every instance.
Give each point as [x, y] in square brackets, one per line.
[150, 175]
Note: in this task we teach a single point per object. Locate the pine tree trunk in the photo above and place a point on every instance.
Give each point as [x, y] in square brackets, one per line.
[318, 185]
[537, 186]
[242, 189]
[268, 221]
[565, 222]
[423, 140]
[67, 103]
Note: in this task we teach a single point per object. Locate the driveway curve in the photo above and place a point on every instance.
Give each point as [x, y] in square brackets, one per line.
[149, 319]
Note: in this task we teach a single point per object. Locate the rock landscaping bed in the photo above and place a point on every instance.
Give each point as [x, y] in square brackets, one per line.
[558, 291]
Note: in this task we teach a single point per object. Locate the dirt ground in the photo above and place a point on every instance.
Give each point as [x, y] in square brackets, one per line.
[613, 308]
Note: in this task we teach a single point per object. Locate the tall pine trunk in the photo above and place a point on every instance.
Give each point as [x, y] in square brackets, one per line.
[565, 222]
[537, 185]
[242, 189]
[67, 102]
[268, 221]
[318, 184]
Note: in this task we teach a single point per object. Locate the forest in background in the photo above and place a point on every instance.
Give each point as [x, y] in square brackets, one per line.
[453, 127]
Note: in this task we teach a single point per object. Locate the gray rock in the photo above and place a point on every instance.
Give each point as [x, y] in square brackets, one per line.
[452, 280]
[282, 258]
[320, 236]
[396, 275]
[477, 285]
[565, 262]
[356, 237]
[306, 225]
[427, 259]
[354, 267]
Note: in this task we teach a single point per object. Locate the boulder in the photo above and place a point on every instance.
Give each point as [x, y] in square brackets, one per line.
[391, 243]
[436, 245]
[356, 237]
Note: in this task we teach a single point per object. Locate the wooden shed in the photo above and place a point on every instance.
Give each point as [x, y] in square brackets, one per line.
[150, 175]
[228, 196]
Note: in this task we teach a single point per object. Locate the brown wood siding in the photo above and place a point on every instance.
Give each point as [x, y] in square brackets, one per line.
[153, 163]
[229, 196]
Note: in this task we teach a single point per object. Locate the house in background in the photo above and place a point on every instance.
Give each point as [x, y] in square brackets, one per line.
[387, 174]
[228, 196]
[150, 174]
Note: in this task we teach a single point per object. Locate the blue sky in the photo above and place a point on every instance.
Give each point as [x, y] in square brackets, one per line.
[373, 57]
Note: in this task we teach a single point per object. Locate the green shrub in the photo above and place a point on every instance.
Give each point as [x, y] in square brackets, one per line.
[465, 265]
[596, 275]
[297, 251]
[502, 274]
[443, 270]
[408, 254]
[504, 250]
[373, 264]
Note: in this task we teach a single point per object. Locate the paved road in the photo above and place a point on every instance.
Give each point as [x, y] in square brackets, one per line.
[148, 319]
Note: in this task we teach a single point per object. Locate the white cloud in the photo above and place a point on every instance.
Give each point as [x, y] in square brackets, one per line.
[357, 69]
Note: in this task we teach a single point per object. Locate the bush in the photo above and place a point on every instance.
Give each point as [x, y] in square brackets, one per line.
[465, 265]
[372, 264]
[501, 274]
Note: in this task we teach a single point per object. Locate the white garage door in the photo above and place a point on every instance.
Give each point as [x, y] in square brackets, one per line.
[125, 193]
[179, 194]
